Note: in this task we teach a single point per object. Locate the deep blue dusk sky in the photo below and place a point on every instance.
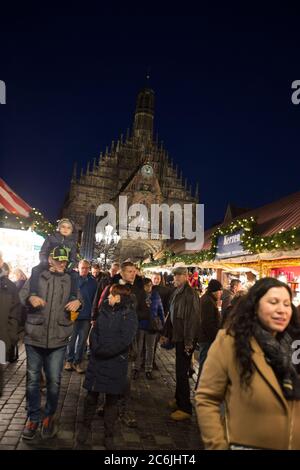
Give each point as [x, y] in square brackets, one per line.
[223, 99]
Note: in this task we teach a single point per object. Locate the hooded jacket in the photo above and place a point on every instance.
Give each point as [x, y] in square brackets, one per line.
[50, 326]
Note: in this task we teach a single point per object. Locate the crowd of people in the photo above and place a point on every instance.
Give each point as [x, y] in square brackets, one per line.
[248, 379]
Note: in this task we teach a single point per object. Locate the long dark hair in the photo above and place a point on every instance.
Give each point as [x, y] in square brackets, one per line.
[243, 321]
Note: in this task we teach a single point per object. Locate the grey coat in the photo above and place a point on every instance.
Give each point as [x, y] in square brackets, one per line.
[49, 327]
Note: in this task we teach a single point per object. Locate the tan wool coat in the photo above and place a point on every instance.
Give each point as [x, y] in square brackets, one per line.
[258, 416]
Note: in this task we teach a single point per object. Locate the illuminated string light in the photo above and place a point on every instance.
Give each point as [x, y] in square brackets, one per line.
[252, 243]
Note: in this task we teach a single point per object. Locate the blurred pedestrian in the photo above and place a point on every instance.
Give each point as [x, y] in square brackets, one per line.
[111, 337]
[182, 326]
[148, 331]
[210, 320]
[75, 350]
[228, 294]
[47, 332]
[19, 278]
[10, 312]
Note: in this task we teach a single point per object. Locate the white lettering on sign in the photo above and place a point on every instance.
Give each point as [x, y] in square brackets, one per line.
[228, 240]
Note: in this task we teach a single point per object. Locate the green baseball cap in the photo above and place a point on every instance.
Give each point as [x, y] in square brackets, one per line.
[59, 253]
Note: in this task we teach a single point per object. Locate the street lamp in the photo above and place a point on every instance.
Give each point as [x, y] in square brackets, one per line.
[106, 241]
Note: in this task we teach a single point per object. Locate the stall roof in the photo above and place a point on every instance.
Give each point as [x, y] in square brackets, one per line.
[282, 214]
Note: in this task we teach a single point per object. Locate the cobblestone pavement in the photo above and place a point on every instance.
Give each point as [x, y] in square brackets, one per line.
[155, 430]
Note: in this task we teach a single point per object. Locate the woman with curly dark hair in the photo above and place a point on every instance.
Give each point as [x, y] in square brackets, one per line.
[251, 367]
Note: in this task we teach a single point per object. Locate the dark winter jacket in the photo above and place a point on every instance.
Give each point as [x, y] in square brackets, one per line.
[227, 296]
[50, 326]
[10, 313]
[142, 309]
[57, 239]
[210, 318]
[110, 339]
[19, 284]
[156, 310]
[87, 286]
[165, 295]
[186, 319]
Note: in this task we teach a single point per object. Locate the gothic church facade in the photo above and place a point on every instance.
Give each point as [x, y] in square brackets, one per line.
[136, 166]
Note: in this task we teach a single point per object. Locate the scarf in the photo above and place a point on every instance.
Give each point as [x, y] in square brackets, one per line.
[278, 354]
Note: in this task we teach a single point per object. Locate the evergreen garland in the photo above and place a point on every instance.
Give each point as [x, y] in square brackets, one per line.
[251, 242]
[35, 221]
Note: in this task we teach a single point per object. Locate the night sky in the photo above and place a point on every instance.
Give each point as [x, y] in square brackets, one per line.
[222, 81]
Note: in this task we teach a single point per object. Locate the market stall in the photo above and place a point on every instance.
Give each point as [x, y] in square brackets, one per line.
[20, 248]
[22, 230]
[284, 265]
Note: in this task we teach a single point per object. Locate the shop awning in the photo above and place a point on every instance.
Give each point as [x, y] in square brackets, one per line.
[11, 202]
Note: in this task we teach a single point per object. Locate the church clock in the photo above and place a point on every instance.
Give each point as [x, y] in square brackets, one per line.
[147, 170]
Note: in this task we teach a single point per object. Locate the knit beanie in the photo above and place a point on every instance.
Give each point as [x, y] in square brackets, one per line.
[65, 221]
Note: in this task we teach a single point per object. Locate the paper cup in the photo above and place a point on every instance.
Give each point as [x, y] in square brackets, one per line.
[74, 316]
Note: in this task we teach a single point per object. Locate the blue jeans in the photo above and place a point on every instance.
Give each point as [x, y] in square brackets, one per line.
[51, 360]
[78, 341]
[203, 350]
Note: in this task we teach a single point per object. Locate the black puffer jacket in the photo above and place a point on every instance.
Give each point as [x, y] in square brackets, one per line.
[110, 339]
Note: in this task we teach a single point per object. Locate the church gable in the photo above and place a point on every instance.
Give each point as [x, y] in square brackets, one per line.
[143, 187]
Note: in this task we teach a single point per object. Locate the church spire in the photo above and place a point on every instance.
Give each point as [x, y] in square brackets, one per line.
[144, 114]
[74, 175]
[197, 191]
